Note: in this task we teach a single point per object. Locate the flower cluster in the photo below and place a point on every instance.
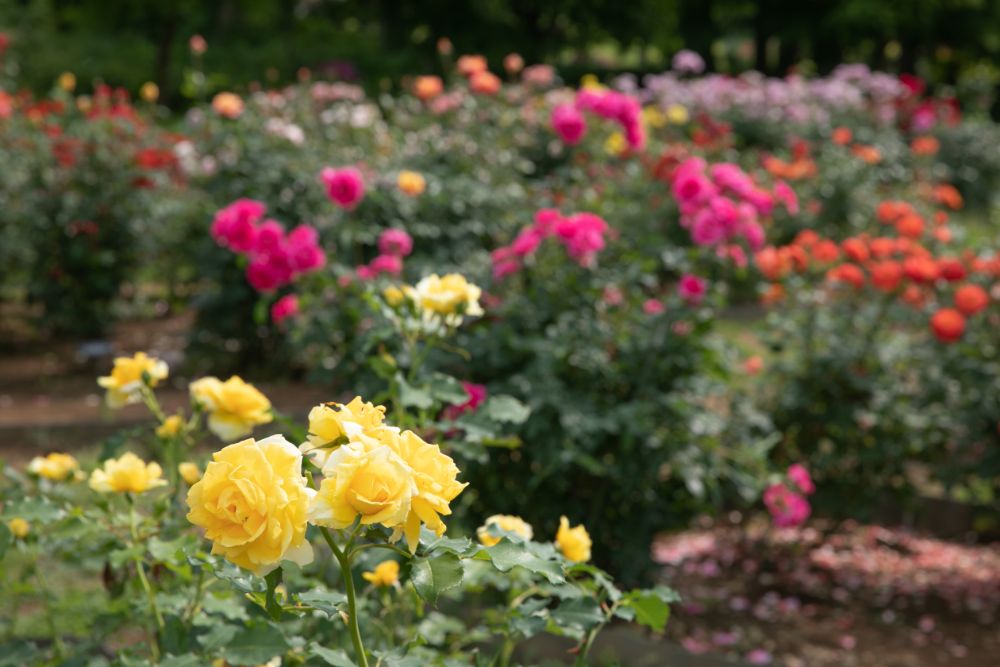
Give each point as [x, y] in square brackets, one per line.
[437, 299]
[582, 234]
[789, 507]
[276, 257]
[612, 105]
[393, 246]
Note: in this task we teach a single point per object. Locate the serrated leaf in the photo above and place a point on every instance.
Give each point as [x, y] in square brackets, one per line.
[652, 606]
[34, 510]
[328, 602]
[447, 389]
[582, 613]
[218, 636]
[506, 555]
[335, 657]
[505, 408]
[255, 645]
[433, 576]
[413, 397]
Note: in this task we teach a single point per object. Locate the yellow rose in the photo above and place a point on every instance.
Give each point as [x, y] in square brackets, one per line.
[234, 407]
[411, 183]
[574, 543]
[435, 475]
[615, 144]
[332, 424]
[128, 474]
[677, 114]
[653, 116]
[67, 81]
[365, 479]
[252, 503]
[170, 427]
[149, 92]
[591, 82]
[386, 574]
[393, 296]
[506, 522]
[189, 472]
[228, 105]
[450, 296]
[20, 528]
[126, 378]
[55, 466]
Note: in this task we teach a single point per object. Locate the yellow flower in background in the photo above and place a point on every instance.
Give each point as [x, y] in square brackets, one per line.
[654, 117]
[591, 82]
[67, 81]
[385, 574]
[189, 472]
[574, 543]
[149, 92]
[435, 474]
[507, 522]
[234, 407]
[170, 427]
[126, 378]
[331, 424]
[615, 144]
[450, 296]
[252, 503]
[19, 527]
[128, 474]
[55, 466]
[228, 105]
[365, 479]
[394, 296]
[411, 183]
[678, 114]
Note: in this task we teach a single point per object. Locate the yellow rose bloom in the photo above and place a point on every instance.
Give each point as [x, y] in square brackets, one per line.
[20, 528]
[67, 81]
[591, 82]
[677, 114]
[394, 296]
[331, 424]
[149, 92]
[252, 503]
[507, 522]
[55, 466]
[189, 472]
[365, 479]
[574, 543]
[450, 296]
[654, 117]
[385, 574]
[170, 427]
[234, 407]
[615, 144]
[411, 183]
[128, 474]
[126, 378]
[435, 475]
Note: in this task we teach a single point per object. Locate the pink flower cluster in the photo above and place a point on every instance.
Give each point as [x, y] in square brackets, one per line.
[345, 187]
[393, 246]
[788, 508]
[721, 204]
[582, 234]
[284, 308]
[276, 258]
[475, 393]
[568, 121]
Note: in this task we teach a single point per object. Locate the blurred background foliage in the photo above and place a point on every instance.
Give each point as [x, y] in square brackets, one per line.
[129, 42]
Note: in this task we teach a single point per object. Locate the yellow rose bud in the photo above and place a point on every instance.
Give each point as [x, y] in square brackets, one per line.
[615, 144]
[228, 105]
[574, 543]
[677, 114]
[385, 573]
[125, 381]
[511, 524]
[149, 92]
[252, 503]
[234, 407]
[128, 474]
[67, 81]
[411, 183]
[393, 296]
[450, 296]
[19, 527]
[55, 466]
[364, 479]
[189, 472]
[435, 474]
[333, 422]
[170, 427]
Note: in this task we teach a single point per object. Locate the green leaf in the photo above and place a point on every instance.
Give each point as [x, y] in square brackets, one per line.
[414, 397]
[447, 389]
[505, 408]
[652, 606]
[582, 613]
[186, 660]
[271, 603]
[335, 657]
[328, 602]
[256, 644]
[433, 576]
[35, 510]
[6, 538]
[218, 636]
[506, 555]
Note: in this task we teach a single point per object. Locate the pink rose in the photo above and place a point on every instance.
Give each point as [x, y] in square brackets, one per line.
[344, 187]
[800, 477]
[475, 393]
[569, 123]
[285, 307]
[692, 288]
[395, 242]
[653, 307]
[787, 508]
